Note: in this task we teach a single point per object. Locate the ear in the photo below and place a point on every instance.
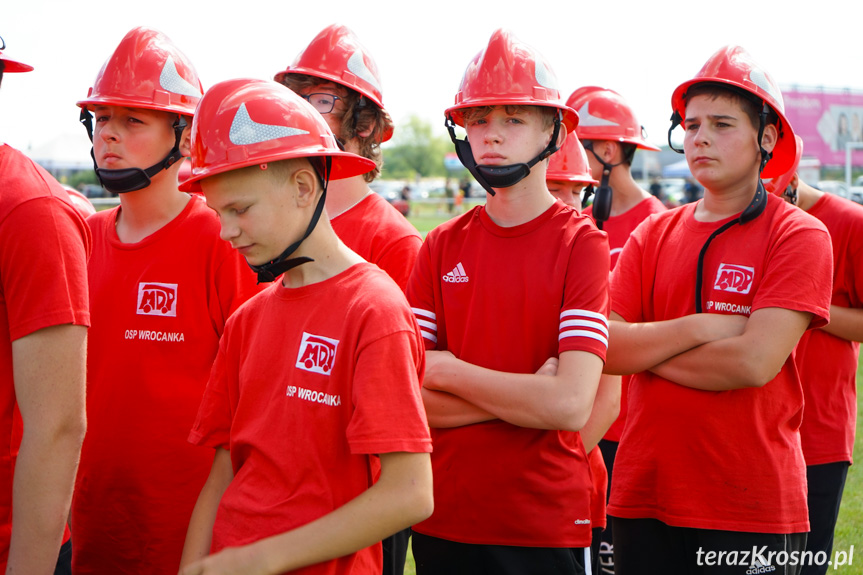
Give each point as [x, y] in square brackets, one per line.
[770, 137]
[561, 137]
[186, 139]
[611, 152]
[306, 183]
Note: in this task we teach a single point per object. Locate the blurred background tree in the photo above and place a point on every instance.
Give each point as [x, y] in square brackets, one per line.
[415, 149]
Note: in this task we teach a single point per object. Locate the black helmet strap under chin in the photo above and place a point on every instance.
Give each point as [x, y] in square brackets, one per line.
[602, 195]
[269, 271]
[133, 179]
[490, 177]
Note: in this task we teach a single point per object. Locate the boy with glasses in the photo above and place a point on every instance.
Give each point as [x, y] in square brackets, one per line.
[338, 76]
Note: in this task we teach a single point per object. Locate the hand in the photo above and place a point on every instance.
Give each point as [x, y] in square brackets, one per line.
[245, 560]
[436, 368]
[549, 367]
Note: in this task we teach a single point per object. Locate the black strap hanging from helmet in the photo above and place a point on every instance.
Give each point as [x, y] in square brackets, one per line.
[603, 195]
[752, 211]
[490, 177]
[133, 179]
[269, 271]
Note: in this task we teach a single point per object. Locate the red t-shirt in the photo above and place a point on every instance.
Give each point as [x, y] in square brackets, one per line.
[159, 307]
[619, 228]
[508, 299]
[44, 246]
[309, 383]
[726, 460]
[379, 234]
[828, 364]
[599, 488]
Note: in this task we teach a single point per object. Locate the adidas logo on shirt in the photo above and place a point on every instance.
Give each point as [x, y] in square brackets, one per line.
[456, 276]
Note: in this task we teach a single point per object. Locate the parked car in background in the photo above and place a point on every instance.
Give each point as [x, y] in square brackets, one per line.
[834, 187]
[856, 194]
[392, 191]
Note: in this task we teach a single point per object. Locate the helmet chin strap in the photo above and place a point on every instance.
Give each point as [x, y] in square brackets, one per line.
[604, 193]
[133, 179]
[490, 177]
[269, 271]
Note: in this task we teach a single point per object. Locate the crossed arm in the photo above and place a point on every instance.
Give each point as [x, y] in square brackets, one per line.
[710, 351]
[559, 395]
[845, 322]
[401, 497]
[48, 367]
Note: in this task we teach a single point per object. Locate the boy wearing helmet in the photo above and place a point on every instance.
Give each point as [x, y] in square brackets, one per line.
[44, 314]
[567, 177]
[296, 426]
[162, 285]
[569, 173]
[612, 134]
[827, 361]
[511, 298]
[710, 459]
[338, 76]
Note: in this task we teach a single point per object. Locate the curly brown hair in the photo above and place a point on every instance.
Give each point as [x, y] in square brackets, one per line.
[359, 114]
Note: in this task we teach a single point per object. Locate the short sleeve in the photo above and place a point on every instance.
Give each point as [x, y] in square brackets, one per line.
[44, 248]
[627, 279]
[584, 313]
[784, 285]
[389, 415]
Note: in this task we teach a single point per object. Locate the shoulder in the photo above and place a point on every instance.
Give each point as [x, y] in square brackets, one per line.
[791, 219]
[456, 225]
[23, 180]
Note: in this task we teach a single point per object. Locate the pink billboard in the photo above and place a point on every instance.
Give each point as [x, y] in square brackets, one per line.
[826, 119]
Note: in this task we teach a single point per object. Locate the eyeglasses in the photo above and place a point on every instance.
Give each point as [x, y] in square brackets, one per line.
[322, 102]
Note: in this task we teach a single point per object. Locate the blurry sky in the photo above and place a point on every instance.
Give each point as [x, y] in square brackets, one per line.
[640, 48]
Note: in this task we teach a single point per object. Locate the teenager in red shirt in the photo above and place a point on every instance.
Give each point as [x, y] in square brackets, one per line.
[338, 76]
[612, 134]
[512, 300]
[709, 301]
[44, 314]
[827, 360]
[317, 375]
[567, 177]
[569, 173]
[162, 285]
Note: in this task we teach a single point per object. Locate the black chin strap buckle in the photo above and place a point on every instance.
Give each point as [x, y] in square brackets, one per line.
[490, 177]
[133, 179]
[676, 120]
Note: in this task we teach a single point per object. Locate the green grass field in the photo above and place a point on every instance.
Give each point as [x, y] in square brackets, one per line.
[849, 529]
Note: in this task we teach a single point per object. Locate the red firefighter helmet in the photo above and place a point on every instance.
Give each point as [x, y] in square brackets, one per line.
[733, 66]
[245, 122]
[604, 115]
[147, 71]
[336, 54]
[779, 184]
[509, 72]
[569, 164]
[12, 66]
